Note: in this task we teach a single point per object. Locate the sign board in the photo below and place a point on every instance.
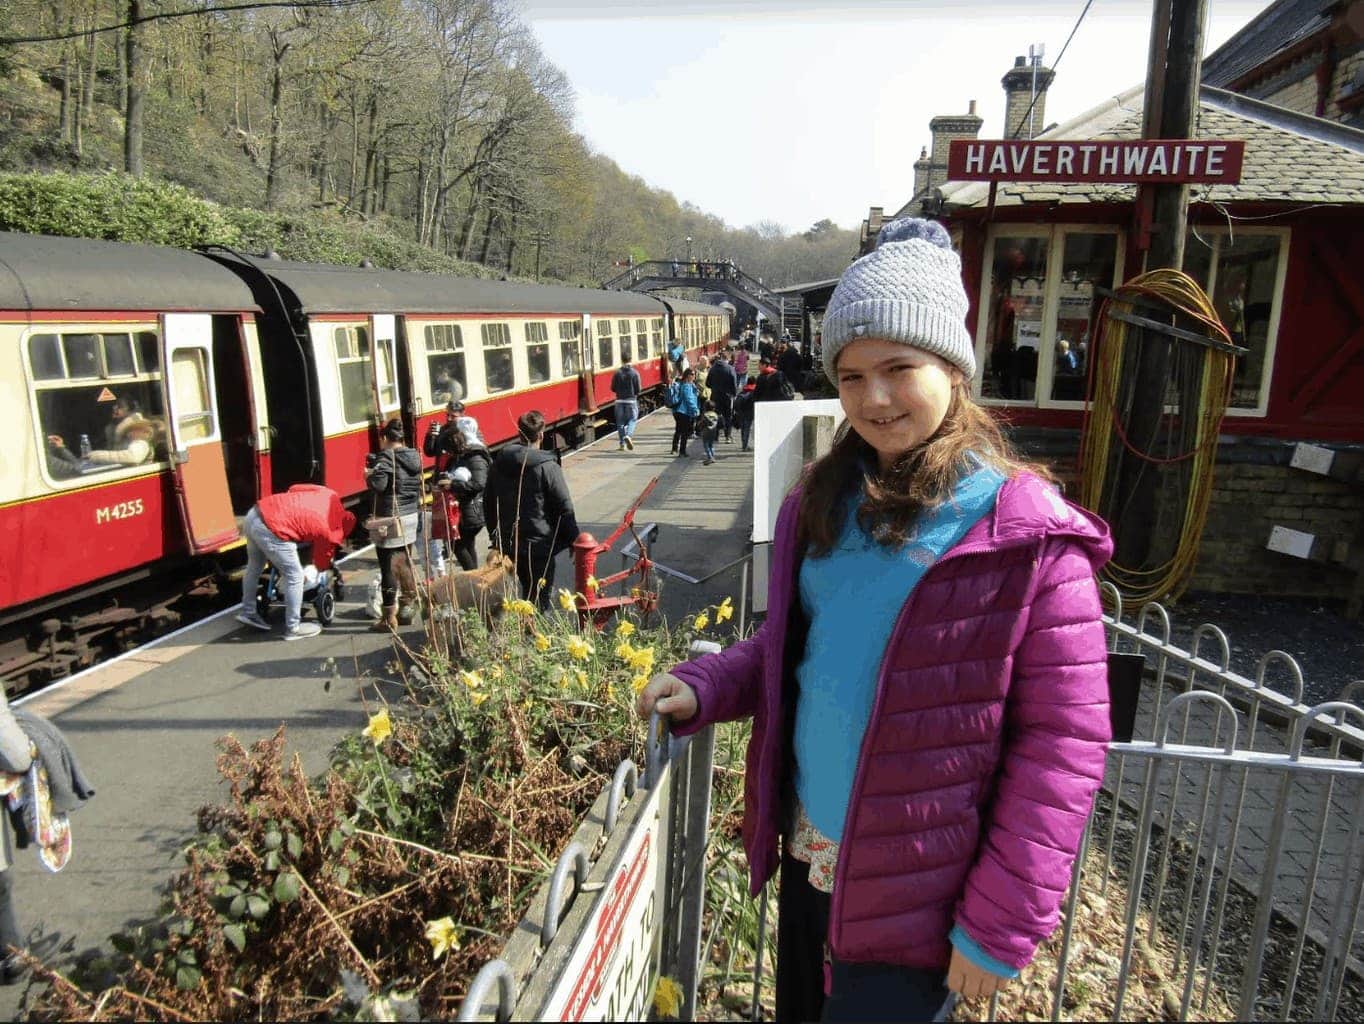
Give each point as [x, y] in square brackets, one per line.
[611, 971]
[1110, 161]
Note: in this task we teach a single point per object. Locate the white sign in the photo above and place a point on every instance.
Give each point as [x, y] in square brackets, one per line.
[1313, 458]
[1290, 542]
[610, 973]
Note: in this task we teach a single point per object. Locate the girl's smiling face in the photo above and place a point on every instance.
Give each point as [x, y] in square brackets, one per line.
[895, 396]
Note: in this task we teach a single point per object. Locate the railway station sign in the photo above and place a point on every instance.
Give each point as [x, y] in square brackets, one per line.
[1107, 161]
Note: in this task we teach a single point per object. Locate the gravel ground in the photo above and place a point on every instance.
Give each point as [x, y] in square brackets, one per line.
[1328, 646]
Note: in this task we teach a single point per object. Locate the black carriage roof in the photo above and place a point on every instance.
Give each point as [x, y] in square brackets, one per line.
[688, 306]
[40, 272]
[323, 288]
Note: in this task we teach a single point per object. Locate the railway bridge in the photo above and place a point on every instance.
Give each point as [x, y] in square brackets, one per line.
[784, 310]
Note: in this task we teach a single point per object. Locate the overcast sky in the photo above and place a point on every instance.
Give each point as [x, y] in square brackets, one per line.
[794, 110]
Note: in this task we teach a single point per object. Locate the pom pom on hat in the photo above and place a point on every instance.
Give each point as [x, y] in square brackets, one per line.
[909, 290]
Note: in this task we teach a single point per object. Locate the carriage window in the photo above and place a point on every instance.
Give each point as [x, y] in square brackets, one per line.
[352, 365]
[45, 356]
[82, 355]
[445, 362]
[388, 373]
[189, 379]
[569, 332]
[605, 349]
[148, 352]
[118, 355]
[497, 357]
[657, 335]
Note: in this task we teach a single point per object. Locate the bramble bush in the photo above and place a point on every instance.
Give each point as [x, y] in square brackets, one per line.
[379, 889]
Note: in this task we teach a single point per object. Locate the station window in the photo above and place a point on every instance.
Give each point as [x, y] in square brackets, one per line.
[84, 384]
[605, 354]
[1243, 275]
[497, 357]
[537, 352]
[352, 367]
[569, 333]
[445, 366]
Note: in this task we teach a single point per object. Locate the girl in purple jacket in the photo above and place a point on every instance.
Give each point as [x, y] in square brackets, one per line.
[929, 689]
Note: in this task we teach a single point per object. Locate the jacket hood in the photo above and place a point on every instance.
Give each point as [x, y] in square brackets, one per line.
[409, 458]
[1027, 505]
[510, 458]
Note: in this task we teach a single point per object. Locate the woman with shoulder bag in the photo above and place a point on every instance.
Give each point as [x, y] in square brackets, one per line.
[394, 477]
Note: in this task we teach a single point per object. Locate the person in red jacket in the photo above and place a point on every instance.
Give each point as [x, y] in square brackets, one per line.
[304, 514]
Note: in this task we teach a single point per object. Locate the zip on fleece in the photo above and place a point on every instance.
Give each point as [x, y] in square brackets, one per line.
[841, 867]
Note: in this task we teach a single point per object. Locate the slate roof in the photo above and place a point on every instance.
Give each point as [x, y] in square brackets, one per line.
[1272, 31]
[1290, 157]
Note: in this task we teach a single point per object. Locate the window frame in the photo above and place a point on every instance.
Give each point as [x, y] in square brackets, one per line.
[484, 329]
[363, 360]
[457, 347]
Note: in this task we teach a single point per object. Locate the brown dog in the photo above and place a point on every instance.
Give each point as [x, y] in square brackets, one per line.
[484, 588]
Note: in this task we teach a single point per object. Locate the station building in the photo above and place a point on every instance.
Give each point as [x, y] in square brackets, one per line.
[1279, 254]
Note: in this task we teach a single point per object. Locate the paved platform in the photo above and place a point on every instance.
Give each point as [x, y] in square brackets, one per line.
[145, 726]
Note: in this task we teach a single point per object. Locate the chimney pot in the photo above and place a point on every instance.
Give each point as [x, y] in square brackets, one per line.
[971, 108]
[1020, 62]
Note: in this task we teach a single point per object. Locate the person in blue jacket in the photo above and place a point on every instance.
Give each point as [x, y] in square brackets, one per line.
[686, 406]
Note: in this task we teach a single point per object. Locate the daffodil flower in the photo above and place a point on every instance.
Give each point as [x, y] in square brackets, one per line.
[379, 727]
[724, 611]
[581, 676]
[541, 642]
[701, 621]
[443, 936]
[579, 648]
[565, 600]
[471, 679]
[495, 672]
[592, 583]
[625, 628]
[638, 683]
[667, 997]
[643, 660]
[520, 606]
[624, 651]
[477, 697]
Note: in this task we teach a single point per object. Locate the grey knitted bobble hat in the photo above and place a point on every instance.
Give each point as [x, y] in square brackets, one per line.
[908, 289]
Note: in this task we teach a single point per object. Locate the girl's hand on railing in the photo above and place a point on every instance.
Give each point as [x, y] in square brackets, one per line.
[667, 695]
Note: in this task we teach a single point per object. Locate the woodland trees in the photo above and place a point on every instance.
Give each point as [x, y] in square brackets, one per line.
[440, 119]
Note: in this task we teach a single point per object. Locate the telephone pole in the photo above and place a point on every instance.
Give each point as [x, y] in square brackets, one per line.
[1173, 74]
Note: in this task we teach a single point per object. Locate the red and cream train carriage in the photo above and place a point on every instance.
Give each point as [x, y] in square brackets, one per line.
[256, 374]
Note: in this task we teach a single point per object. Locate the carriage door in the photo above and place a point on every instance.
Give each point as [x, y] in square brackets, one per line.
[384, 331]
[196, 449]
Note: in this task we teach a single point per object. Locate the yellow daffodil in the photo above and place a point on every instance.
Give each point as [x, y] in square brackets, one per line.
[638, 683]
[724, 612]
[625, 628]
[520, 607]
[579, 648]
[495, 672]
[581, 676]
[667, 997]
[477, 697]
[471, 679]
[624, 651]
[643, 660]
[565, 600]
[443, 936]
[379, 727]
[541, 583]
[561, 679]
[592, 583]
[541, 642]
[701, 621]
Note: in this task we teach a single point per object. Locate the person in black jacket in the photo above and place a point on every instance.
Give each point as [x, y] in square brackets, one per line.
[394, 477]
[441, 439]
[529, 510]
[790, 364]
[465, 478]
[724, 385]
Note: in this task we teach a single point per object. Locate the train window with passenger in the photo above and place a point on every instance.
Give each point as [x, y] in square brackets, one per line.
[85, 384]
[537, 352]
[569, 333]
[445, 362]
[606, 355]
[498, 372]
[352, 365]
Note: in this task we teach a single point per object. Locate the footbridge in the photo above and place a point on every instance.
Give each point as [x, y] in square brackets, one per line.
[788, 311]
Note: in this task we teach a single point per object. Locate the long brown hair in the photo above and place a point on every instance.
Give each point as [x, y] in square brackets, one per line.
[921, 478]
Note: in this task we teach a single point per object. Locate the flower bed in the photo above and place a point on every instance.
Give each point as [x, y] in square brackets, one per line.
[378, 889]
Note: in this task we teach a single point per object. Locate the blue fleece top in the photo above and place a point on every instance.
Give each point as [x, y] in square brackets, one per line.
[852, 598]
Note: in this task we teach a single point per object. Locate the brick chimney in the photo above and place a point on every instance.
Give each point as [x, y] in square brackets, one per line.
[1018, 96]
[945, 128]
[921, 167]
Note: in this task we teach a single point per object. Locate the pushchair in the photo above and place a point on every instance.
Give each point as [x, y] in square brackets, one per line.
[319, 588]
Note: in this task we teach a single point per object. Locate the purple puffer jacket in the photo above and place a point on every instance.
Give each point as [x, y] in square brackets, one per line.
[985, 745]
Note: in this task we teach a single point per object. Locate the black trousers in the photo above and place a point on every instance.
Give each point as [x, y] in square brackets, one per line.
[858, 991]
[534, 564]
[682, 427]
[724, 408]
[463, 549]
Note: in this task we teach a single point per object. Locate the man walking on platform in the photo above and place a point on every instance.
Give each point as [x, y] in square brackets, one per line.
[724, 385]
[304, 514]
[529, 510]
[790, 363]
[625, 385]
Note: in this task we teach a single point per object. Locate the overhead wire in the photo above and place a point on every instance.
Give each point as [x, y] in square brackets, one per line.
[1075, 28]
